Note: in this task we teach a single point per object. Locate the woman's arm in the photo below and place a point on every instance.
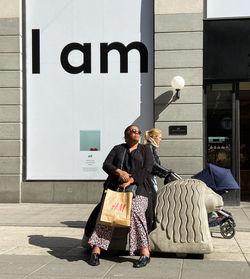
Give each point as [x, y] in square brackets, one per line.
[108, 165]
[111, 169]
[157, 169]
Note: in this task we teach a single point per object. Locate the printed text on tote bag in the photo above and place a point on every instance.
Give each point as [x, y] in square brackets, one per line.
[118, 206]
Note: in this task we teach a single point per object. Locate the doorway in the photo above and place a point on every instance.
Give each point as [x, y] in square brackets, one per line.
[244, 97]
[220, 125]
[228, 130]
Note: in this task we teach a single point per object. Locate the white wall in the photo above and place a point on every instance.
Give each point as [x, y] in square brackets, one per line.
[228, 8]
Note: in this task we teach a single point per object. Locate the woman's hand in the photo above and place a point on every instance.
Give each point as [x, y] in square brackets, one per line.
[123, 175]
[126, 184]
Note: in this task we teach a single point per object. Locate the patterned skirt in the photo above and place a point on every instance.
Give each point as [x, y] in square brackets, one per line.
[138, 235]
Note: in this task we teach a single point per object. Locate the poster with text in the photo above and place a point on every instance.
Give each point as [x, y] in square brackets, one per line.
[88, 75]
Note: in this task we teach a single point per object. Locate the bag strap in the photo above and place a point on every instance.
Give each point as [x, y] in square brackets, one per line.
[123, 157]
[121, 167]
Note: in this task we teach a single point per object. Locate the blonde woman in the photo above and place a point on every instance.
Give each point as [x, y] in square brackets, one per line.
[153, 138]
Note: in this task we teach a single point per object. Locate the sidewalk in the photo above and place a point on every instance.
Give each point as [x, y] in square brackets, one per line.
[44, 241]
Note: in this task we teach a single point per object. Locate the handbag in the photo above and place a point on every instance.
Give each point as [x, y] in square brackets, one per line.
[116, 209]
[131, 188]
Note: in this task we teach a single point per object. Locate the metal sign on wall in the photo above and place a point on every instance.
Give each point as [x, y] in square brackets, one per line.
[89, 74]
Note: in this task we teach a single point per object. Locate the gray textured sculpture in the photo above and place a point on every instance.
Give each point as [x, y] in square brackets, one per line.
[181, 216]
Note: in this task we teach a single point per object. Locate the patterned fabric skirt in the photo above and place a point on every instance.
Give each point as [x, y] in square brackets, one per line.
[138, 235]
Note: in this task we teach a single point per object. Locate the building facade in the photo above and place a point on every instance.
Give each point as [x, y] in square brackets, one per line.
[181, 29]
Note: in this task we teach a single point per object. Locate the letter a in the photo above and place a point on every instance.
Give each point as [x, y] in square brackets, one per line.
[85, 66]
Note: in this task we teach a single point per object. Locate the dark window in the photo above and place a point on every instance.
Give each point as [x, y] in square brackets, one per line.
[227, 49]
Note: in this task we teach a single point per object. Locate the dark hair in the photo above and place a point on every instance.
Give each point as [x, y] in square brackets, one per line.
[127, 130]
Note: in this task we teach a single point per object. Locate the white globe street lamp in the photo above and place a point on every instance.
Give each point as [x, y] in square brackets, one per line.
[178, 83]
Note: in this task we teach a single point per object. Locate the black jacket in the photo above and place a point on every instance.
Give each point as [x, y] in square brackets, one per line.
[138, 163]
[158, 169]
[141, 176]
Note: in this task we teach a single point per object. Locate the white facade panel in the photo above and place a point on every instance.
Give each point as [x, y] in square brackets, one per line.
[228, 8]
[73, 119]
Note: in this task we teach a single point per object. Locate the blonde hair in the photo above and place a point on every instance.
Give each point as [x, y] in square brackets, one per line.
[153, 133]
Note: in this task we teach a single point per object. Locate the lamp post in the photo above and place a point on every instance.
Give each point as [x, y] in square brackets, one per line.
[178, 83]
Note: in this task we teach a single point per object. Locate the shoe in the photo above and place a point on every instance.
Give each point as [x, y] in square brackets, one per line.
[94, 259]
[143, 261]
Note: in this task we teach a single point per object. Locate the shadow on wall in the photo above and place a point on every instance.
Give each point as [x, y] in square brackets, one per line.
[163, 101]
[145, 118]
[165, 98]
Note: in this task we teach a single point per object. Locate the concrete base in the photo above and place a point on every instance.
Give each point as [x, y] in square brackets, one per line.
[9, 189]
[67, 192]
[61, 192]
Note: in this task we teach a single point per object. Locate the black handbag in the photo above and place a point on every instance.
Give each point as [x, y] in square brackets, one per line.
[132, 187]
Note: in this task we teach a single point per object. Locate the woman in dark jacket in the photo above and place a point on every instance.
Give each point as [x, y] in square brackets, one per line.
[136, 161]
[152, 138]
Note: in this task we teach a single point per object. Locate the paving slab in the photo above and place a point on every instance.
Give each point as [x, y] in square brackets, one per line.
[221, 244]
[225, 256]
[64, 215]
[241, 218]
[11, 276]
[215, 269]
[243, 240]
[19, 259]
[23, 268]
[71, 269]
[37, 251]
[157, 268]
[58, 277]
[247, 255]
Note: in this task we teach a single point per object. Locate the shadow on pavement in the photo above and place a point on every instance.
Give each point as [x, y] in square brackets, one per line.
[75, 224]
[177, 255]
[66, 248]
[117, 256]
[70, 249]
[60, 247]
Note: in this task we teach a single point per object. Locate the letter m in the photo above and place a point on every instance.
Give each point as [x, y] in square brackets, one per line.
[123, 50]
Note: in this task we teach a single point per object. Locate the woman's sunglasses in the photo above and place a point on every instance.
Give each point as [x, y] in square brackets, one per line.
[134, 131]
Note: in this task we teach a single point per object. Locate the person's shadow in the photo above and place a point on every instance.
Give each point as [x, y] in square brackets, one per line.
[65, 248]
[75, 224]
[70, 249]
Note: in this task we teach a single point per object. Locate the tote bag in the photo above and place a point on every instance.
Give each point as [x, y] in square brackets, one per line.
[116, 209]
